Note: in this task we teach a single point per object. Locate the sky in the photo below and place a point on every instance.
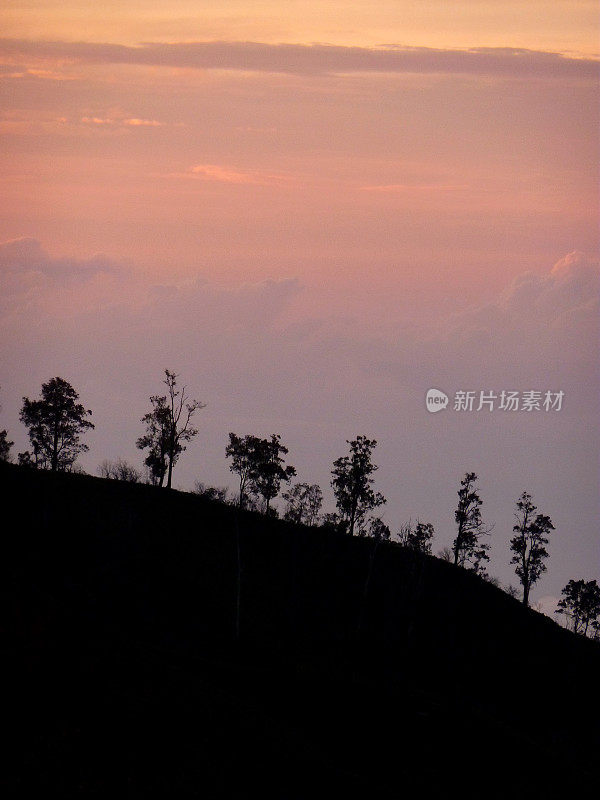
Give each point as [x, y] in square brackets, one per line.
[313, 213]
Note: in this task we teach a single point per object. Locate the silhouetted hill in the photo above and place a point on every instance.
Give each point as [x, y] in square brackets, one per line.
[125, 675]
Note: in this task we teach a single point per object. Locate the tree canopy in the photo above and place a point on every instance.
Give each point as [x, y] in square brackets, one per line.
[528, 544]
[468, 547]
[303, 503]
[260, 466]
[55, 423]
[580, 602]
[352, 483]
[417, 537]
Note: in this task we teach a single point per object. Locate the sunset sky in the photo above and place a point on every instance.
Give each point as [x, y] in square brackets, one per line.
[314, 212]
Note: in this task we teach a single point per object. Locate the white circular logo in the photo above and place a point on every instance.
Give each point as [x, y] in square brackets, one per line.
[435, 400]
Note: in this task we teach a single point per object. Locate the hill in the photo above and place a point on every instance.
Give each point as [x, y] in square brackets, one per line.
[357, 671]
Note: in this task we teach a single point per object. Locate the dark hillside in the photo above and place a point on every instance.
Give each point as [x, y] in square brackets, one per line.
[125, 674]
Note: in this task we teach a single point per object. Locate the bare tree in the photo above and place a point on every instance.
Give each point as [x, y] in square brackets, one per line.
[168, 428]
[120, 470]
[446, 554]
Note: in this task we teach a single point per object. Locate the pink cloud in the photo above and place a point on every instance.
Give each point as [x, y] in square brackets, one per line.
[226, 174]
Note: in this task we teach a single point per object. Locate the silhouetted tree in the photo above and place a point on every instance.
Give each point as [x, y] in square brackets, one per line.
[25, 459]
[260, 468]
[120, 470]
[55, 423]
[417, 537]
[468, 549]
[352, 483]
[5, 445]
[528, 543]
[156, 439]
[168, 427]
[244, 454]
[581, 604]
[378, 530]
[303, 503]
[270, 469]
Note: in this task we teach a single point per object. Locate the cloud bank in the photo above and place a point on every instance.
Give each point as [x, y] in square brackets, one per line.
[314, 59]
[266, 359]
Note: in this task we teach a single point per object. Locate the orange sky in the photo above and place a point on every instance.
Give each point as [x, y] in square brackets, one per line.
[557, 25]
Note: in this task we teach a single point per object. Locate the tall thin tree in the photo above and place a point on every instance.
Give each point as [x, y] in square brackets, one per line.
[168, 428]
[468, 548]
[352, 483]
[529, 543]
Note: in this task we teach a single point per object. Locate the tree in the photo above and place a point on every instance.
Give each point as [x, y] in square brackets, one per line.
[468, 549]
[5, 446]
[243, 452]
[581, 604]
[528, 543]
[168, 427]
[378, 530]
[352, 483]
[260, 467]
[418, 537]
[303, 503]
[55, 423]
[156, 439]
[270, 469]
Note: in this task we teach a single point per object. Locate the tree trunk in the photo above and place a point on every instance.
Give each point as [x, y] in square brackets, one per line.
[353, 510]
[54, 463]
[526, 594]
[170, 472]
